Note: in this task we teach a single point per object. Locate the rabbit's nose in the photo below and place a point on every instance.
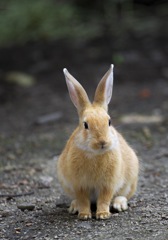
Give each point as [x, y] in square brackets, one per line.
[102, 144]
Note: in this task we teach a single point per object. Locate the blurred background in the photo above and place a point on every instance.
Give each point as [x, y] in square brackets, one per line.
[39, 38]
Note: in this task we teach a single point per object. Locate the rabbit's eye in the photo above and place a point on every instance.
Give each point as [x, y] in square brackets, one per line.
[86, 125]
[109, 122]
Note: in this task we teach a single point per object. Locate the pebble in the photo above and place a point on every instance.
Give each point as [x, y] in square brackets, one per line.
[147, 133]
[115, 215]
[46, 181]
[11, 156]
[5, 213]
[164, 216]
[26, 206]
[84, 225]
[52, 117]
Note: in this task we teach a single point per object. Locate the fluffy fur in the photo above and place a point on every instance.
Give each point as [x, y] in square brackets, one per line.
[96, 164]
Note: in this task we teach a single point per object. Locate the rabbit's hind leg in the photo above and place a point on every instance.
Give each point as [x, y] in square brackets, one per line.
[120, 203]
[132, 190]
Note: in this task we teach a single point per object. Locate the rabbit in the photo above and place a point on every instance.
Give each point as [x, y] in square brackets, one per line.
[97, 164]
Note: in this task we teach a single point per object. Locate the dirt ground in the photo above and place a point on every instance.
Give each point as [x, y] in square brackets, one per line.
[32, 203]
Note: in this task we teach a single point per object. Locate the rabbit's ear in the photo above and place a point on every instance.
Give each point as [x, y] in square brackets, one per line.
[104, 89]
[76, 92]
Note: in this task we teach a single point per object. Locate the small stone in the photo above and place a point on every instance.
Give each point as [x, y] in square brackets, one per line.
[164, 216]
[17, 230]
[11, 156]
[133, 205]
[52, 117]
[115, 214]
[19, 151]
[29, 224]
[84, 225]
[147, 133]
[26, 206]
[5, 213]
[20, 79]
[46, 181]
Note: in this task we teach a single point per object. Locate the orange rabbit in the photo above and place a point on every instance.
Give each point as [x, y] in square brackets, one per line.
[96, 164]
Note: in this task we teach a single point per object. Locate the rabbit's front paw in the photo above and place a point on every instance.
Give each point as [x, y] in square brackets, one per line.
[103, 215]
[120, 203]
[73, 208]
[84, 216]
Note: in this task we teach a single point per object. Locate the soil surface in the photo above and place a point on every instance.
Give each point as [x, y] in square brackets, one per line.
[36, 121]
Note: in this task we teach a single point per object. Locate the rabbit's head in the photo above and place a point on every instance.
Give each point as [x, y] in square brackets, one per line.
[95, 133]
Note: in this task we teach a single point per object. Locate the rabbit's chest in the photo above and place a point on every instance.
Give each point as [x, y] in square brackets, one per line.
[92, 176]
[93, 171]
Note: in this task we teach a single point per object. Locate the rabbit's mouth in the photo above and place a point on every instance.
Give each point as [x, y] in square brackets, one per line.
[101, 146]
[105, 146]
